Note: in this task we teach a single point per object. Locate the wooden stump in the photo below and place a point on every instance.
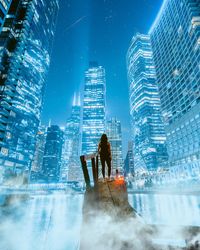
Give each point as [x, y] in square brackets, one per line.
[107, 215]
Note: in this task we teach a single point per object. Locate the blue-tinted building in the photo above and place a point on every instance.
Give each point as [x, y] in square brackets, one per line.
[114, 133]
[129, 161]
[52, 154]
[4, 7]
[93, 108]
[71, 169]
[175, 38]
[39, 149]
[148, 130]
[25, 47]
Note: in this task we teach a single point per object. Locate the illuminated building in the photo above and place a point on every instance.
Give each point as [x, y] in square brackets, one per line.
[52, 154]
[39, 149]
[175, 38]
[114, 133]
[71, 169]
[129, 161]
[148, 129]
[93, 108]
[4, 7]
[25, 47]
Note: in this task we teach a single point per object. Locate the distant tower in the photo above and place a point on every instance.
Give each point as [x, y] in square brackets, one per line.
[148, 129]
[93, 108]
[114, 133]
[52, 154]
[71, 169]
[129, 161]
[175, 38]
[39, 149]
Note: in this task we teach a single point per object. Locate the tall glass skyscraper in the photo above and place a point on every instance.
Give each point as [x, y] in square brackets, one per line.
[175, 38]
[93, 108]
[114, 133]
[39, 149]
[148, 129]
[52, 154]
[4, 7]
[71, 167]
[129, 161]
[25, 47]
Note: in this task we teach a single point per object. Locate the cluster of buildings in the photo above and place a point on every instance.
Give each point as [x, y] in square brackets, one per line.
[26, 34]
[163, 69]
[57, 157]
[164, 79]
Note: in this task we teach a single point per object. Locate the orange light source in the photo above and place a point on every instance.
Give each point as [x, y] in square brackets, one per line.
[119, 179]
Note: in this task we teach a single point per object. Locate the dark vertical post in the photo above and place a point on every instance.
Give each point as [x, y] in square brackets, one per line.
[97, 167]
[85, 171]
[94, 171]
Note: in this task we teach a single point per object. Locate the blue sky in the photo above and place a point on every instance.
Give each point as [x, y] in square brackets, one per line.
[94, 30]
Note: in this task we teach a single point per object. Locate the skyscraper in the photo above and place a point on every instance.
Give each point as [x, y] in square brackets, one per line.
[114, 133]
[129, 161]
[175, 38]
[148, 129]
[25, 47]
[71, 169]
[93, 108]
[4, 7]
[39, 149]
[52, 154]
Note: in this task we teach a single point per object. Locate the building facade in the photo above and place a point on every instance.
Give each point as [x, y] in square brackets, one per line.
[71, 169]
[94, 103]
[4, 8]
[39, 149]
[148, 129]
[175, 38]
[25, 47]
[129, 161]
[52, 154]
[114, 133]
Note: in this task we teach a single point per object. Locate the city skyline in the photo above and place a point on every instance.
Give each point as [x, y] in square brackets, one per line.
[152, 90]
[100, 124]
[77, 42]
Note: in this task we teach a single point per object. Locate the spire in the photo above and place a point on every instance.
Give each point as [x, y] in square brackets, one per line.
[74, 100]
[49, 123]
[79, 100]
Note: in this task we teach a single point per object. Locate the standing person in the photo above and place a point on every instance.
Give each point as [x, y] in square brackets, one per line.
[104, 150]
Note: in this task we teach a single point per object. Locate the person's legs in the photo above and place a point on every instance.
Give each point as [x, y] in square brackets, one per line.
[103, 167]
[108, 162]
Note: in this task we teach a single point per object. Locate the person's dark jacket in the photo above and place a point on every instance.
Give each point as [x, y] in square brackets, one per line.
[104, 149]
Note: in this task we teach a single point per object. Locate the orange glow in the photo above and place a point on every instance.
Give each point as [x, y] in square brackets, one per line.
[119, 179]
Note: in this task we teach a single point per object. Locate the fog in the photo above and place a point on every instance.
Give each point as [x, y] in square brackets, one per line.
[55, 222]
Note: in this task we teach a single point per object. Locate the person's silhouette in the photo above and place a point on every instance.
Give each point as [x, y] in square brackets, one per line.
[104, 150]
